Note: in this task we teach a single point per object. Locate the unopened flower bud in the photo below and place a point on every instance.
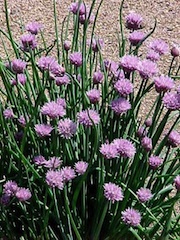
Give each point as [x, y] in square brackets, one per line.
[175, 52]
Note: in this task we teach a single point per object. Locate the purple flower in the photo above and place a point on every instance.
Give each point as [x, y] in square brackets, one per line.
[109, 151]
[39, 160]
[174, 138]
[177, 182]
[88, 117]
[96, 44]
[5, 199]
[44, 63]
[148, 122]
[67, 45]
[134, 21]
[67, 128]
[28, 42]
[144, 194]
[23, 194]
[147, 68]
[22, 121]
[84, 17]
[124, 87]
[43, 130]
[56, 70]
[171, 101]
[54, 179]
[124, 147]
[129, 63]
[18, 65]
[113, 192]
[153, 56]
[141, 132]
[131, 217]
[159, 46]
[10, 188]
[53, 110]
[61, 101]
[81, 167]
[33, 27]
[146, 143]
[64, 80]
[21, 78]
[163, 83]
[155, 162]
[98, 77]
[120, 105]
[8, 113]
[93, 95]
[76, 6]
[175, 51]
[53, 162]
[76, 58]
[136, 37]
[67, 173]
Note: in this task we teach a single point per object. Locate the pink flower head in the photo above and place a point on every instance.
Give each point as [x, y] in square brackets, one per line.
[28, 41]
[146, 143]
[177, 182]
[43, 130]
[109, 151]
[124, 87]
[93, 95]
[76, 7]
[134, 21]
[98, 77]
[171, 101]
[153, 56]
[81, 167]
[61, 101]
[131, 217]
[136, 37]
[52, 163]
[124, 147]
[56, 70]
[67, 128]
[148, 122]
[174, 138]
[129, 63]
[113, 192]
[18, 65]
[10, 188]
[39, 160]
[96, 44]
[53, 110]
[175, 51]
[21, 78]
[76, 59]
[22, 121]
[45, 63]
[88, 117]
[142, 132]
[33, 27]
[87, 16]
[159, 46]
[67, 45]
[155, 162]
[144, 194]
[67, 173]
[8, 113]
[54, 179]
[163, 83]
[23, 194]
[120, 105]
[64, 80]
[147, 68]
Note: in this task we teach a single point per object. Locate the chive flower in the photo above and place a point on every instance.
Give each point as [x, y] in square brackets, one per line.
[113, 192]
[131, 217]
